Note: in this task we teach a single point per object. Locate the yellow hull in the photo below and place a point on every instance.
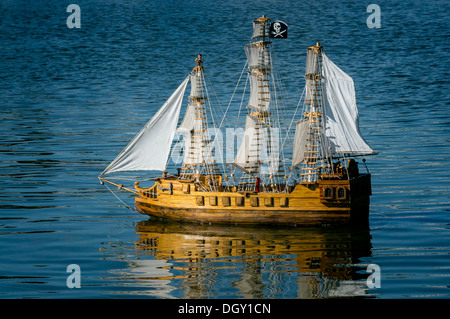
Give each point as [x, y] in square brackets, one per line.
[324, 202]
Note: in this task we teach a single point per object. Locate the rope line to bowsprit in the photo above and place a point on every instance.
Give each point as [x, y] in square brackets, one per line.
[127, 206]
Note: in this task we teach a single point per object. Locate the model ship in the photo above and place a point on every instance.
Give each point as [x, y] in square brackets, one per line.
[314, 180]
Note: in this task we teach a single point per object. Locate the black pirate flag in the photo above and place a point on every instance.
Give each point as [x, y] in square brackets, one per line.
[278, 30]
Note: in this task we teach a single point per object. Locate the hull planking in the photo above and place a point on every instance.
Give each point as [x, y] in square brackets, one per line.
[323, 202]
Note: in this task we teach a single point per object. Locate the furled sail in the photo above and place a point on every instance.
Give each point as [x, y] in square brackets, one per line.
[150, 148]
[341, 113]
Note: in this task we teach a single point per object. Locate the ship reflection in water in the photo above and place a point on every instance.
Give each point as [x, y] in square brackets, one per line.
[179, 260]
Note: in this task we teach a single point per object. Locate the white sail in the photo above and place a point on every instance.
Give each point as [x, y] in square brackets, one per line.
[247, 154]
[190, 147]
[298, 154]
[259, 29]
[341, 113]
[257, 56]
[187, 125]
[259, 92]
[187, 128]
[311, 65]
[311, 62]
[192, 125]
[196, 150]
[149, 149]
[269, 150]
[197, 88]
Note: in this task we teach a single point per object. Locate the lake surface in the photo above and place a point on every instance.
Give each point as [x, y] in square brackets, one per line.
[71, 99]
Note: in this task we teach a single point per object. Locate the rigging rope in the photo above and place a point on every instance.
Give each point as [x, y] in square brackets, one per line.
[131, 208]
[291, 171]
[275, 79]
[224, 118]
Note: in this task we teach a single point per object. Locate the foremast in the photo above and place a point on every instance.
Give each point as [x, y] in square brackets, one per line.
[198, 164]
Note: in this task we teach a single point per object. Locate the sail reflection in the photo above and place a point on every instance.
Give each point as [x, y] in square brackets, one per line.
[215, 261]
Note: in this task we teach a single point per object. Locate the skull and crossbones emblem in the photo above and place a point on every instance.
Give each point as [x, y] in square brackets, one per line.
[277, 30]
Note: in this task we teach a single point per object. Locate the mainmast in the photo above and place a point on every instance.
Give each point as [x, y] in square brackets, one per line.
[259, 154]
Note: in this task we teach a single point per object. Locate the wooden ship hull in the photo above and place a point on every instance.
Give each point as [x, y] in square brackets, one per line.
[319, 203]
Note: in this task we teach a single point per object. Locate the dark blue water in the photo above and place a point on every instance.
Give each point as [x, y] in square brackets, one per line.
[71, 99]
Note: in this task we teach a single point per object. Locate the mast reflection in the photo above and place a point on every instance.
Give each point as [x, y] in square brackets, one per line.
[256, 262]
